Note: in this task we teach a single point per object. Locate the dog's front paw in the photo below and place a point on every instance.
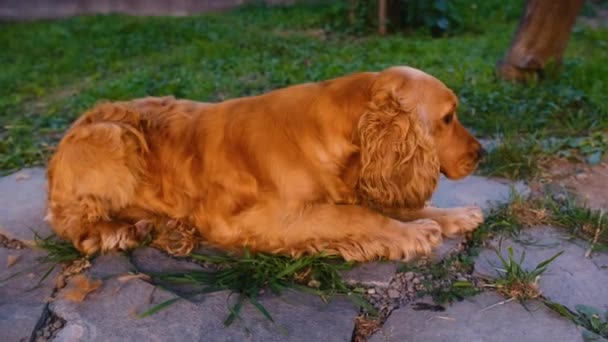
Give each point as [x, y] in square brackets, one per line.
[177, 238]
[425, 234]
[460, 220]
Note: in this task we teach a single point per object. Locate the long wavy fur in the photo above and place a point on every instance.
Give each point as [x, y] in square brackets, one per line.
[400, 167]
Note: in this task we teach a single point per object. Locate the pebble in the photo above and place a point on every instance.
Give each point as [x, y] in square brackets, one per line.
[409, 276]
[371, 291]
[416, 281]
[393, 294]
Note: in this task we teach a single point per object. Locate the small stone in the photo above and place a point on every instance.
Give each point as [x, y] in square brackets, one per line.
[371, 291]
[461, 279]
[393, 294]
[46, 334]
[416, 281]
[409, 276]
[581, 176]
[58, 324]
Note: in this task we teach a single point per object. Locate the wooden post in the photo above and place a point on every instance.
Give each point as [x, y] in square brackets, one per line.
[351, 12]
[542, 36]
[382, 17]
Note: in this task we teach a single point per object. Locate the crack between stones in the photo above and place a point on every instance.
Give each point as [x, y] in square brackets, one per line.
[10, 243]
[48, 325]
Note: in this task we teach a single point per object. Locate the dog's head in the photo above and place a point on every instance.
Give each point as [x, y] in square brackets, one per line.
[409, 133]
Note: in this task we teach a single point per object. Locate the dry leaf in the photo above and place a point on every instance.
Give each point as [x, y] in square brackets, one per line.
[60, 281]
[80, 287]
[128, 277]
[11, 260]
[22, 176]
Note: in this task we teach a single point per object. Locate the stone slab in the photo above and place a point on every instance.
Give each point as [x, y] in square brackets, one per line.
[151, 260]
[373, 274]
[21, 302]
[475, 190]
[23, 203]
[474, 319]
[570, 279]
[109, 315]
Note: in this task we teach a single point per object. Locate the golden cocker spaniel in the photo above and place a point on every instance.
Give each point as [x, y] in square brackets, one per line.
[344, 166]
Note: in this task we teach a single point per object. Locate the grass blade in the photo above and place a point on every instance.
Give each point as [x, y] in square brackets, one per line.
[261, 308]
[234, 311]
[158, 307]
[548, 261]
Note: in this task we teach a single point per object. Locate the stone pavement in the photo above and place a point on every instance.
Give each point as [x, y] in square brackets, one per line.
[109, 313]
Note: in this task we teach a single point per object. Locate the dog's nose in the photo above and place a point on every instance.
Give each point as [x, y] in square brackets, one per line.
[481, 152]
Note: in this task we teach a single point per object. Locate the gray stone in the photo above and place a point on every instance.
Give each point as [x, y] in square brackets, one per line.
[393, 294]
[474, 319]
[109, 315]
[23, 203]
[570, 279]
[475, 190]
[110, 265]
[151, 260]
[21, 302]
[377, 274]
[447, 248]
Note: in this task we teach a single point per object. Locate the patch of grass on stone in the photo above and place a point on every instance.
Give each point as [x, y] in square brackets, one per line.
[504, 219]
[447, 281]
[251, 274]
[513, 280]
[580, 220]
[58, 251]
[593, 321]
[563, 211]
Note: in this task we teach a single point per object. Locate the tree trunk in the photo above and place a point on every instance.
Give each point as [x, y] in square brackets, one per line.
[541, 37]
[382, 17]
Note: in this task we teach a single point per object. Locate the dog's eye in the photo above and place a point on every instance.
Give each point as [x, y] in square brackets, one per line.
[448, 118]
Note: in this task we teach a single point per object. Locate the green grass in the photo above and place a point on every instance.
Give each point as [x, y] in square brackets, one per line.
[590, 224]
[249, 274]
[513, 159]
[568, 213]
[513, 280]
[591, 319]
[58, 251]
[53, 70]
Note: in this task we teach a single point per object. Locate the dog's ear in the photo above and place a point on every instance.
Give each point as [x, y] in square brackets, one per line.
[399, 164]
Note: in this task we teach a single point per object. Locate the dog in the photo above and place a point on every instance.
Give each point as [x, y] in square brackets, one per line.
[344, 166]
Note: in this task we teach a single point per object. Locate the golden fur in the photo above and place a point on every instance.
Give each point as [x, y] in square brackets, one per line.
[341, 166]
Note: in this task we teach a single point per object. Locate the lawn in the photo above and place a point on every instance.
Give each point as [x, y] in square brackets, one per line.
[53, 70]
